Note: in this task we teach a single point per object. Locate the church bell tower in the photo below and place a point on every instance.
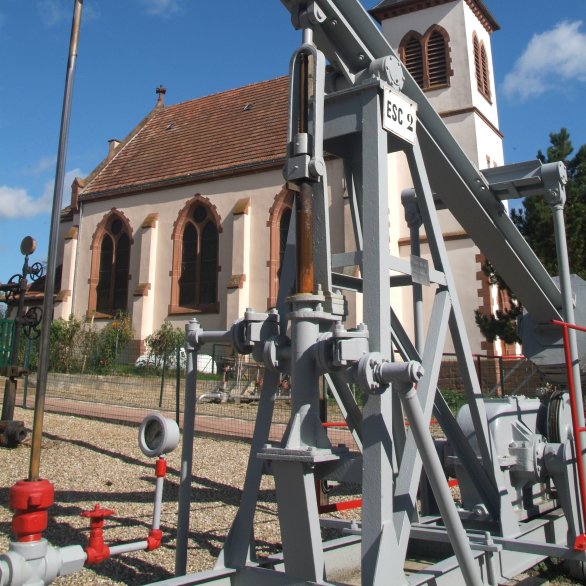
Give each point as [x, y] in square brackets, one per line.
[446, 47]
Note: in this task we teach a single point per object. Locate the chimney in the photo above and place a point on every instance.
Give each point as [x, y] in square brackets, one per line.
[76, 187]
[161, 91]
[113, 144]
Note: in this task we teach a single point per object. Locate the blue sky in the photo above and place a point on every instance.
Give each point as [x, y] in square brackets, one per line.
[196, 47]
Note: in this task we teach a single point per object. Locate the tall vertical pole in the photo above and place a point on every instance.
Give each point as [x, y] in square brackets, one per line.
[35, 456]
[568, 312]
[185, 478]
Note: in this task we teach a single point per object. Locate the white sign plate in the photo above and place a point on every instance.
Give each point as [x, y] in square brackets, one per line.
[399, 115]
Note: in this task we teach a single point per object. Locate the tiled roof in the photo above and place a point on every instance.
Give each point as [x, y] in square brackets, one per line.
[390, 8]
[226, 133]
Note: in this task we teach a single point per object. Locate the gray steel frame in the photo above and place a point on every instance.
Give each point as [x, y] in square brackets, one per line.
[392, 459]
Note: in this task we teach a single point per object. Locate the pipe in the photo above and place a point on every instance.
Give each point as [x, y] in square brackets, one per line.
[37, 434]
[437, 480]
[569, 318]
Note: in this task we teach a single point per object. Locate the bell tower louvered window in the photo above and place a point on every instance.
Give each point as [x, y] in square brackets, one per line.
[481, 68]
[412, 55]
[437, 60]
[427, 57]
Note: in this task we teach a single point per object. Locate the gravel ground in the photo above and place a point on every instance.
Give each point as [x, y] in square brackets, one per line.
[91, 461]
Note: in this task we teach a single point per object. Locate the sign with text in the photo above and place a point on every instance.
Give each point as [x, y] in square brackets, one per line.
[399, 115]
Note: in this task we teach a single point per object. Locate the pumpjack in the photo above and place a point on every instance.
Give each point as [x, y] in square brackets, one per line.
[516, 459]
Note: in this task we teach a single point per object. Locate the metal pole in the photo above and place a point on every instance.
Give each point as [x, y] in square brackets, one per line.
[187, 452]
[567, 299]
[35, 456]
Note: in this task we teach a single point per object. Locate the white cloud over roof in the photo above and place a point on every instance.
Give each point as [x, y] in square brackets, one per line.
[551, 60]
[16, 202]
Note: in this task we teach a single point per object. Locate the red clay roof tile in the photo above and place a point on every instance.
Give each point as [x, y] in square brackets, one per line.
[241, 129]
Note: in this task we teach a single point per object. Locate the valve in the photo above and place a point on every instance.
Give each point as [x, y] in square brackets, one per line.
[97, 551]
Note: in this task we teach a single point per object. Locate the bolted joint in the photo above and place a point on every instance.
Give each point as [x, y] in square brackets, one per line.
[554, 177]
[365, 374]
[250, 333]
[375, 373]
[310, 15]
[276, 353]
[341, 348]
[388, 69]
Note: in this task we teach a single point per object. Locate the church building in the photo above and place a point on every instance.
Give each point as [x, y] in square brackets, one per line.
[188, 215]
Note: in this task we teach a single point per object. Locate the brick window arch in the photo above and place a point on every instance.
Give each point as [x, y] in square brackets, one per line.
[279, 220]
[481, 68]
[427, 57]
[110, 265]
[196, 255]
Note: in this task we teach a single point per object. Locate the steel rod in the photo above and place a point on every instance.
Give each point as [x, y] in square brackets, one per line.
[35, 456]
[305, 239]
[436, 477]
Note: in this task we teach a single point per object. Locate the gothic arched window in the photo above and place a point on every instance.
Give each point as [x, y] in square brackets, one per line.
[110, 265]
[194, 274]
[427, 57]
[279, 221]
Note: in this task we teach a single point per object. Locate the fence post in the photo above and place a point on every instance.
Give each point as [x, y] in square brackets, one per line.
[162, 380]
[177, 382]
[27, 359]
[502, 376]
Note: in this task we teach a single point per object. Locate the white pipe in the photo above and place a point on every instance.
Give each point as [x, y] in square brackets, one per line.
[158, 502]
[128, 547]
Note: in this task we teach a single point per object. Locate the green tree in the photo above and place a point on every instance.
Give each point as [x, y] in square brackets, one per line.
[535, 222]
[503, 324]
[535, 219]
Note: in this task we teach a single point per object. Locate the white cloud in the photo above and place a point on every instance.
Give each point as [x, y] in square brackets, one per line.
[161, 7]
[53, 12]
[16, 202]
[56, 12]
[551, 60]
[43, 165]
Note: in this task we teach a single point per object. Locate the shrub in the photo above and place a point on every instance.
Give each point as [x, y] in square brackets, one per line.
[112, 340]
[163, 343]
[63, 342]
